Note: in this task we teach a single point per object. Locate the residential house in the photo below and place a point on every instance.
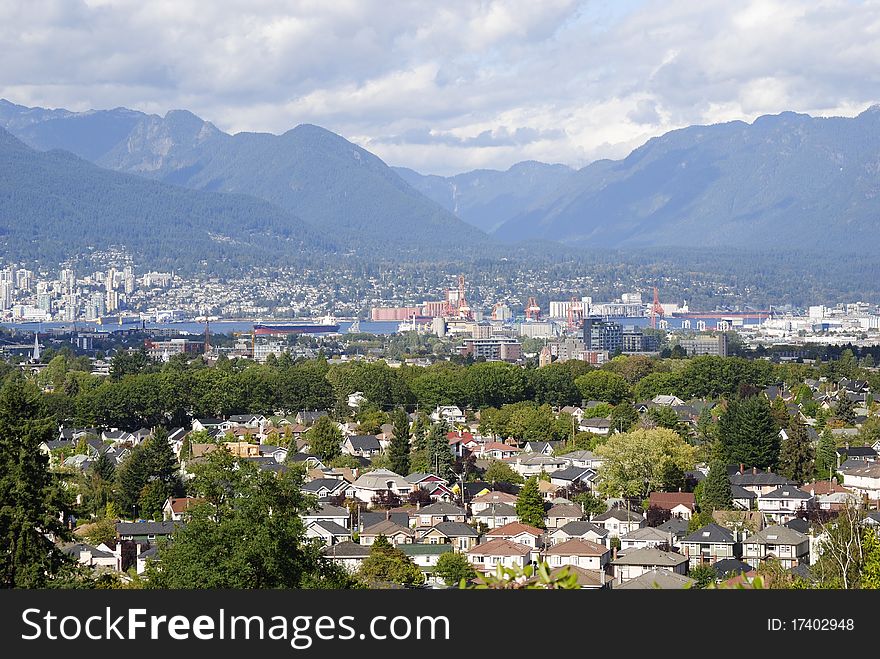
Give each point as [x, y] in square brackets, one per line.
[863, 478]
[117, 437]
[462, 443]
[586, 579]
[519, 533]
[349, 555]
[759, 482]
[330, 533]
[425, 556]
[595, 425]
[483, 501]
[864, 453]
[581, 530]
[90, 556]
[619, 521]
[573, 410]
[667, 401]
[644, 537]
[459, 535]
[327, 487]
[367, 519]
[175, 507]
[581, 553]
[784, 503]
[657, 579]
[451, 414]
[785, 544]
[561, 514]
[327, 513]
[496, 515]
[308, 417]
[585, 459]
[438, 512]
[393, 532]
[677, 528]
[636, 563]
[570, 476]
[365, 446]
[198, 425]
[742, 498]
[731, 567]
[486, 556]
[245, 421]
[370, 484]
[680, 504]
[533, 465]
[710, 544]
[145, 531]
[356, 399]
[497, 451]
[542, 448]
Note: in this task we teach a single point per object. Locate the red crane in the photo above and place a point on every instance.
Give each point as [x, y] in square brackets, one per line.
[533, 311]
[656, 309]
[464, 309]
[575, 313]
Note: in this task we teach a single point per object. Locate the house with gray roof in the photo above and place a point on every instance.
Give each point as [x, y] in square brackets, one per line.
[425, 556]
[787, 545]
[496, 515]
[619, 521]
[145, 531]
[742, 498]
[325, 512]
[395, 533]
[572, 475]
[90, 556]
[365, 446]
[644, 537]
[677, 528]
[326, 487]
[348, 555]
[580, 529]
[329, 533]
[436, 513]
[710, 544]
[370, 484]
[459, 535]
[635, 563]
[784, 504]
[759, 482]
[731, 567]
[563, 513]
[656, 579]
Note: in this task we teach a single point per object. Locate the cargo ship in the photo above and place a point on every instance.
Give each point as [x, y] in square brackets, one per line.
[326, 326]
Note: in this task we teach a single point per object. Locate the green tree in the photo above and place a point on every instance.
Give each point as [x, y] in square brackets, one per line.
[398, 451]
[453, 567]
[387, 564]
[530, 504]
[845, 558]
[826, 455]
[634, 463]
[624, 417]
[703, 574]
[104, 530]
[248, 533]
[844, 410]
[501, 472]
[440, 457]
[604, 386]
[796, 455]
[31, 497]
[715, 491]
[748, 434]
[325, 439]
[780, 412]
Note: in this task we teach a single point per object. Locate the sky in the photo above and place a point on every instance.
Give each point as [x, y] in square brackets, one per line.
[446, 87]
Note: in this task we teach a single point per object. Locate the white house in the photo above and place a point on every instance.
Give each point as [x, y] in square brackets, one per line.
[783, 504]
[578, 552]
[619, 521]
[349, 555]
[451, 414]
[865, 479]
[581, 530]
[517, 532]
[380, 480]
[496, 515]
[486, 556]
[532, 465]
[645, 537]
[635, 563]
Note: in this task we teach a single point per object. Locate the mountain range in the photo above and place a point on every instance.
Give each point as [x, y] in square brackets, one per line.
[785, 180]
[55, 205]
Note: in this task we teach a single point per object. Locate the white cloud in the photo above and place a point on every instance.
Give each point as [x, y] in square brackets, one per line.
[444, 87]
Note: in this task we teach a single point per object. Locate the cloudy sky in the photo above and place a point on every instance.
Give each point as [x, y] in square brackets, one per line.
[445, 87]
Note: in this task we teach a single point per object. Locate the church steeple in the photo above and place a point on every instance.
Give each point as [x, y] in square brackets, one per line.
[36, 355]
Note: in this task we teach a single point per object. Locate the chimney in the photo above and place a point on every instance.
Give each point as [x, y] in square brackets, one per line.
[388, 514]
[754, 470]
[742, 468]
